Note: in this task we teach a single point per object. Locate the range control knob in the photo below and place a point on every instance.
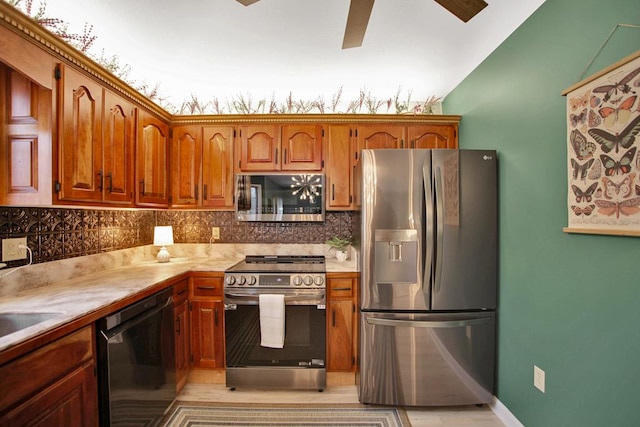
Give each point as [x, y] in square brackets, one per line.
[297, 280]
[308, 280]
[242, 280]
[230, 280]
[252, 280]
[318, 280]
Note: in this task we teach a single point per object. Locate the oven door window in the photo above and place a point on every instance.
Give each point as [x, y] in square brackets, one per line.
[304, 342]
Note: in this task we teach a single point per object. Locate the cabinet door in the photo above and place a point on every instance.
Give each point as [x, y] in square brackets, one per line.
[432, 136]
[302, 148]
[259, 148]
[217, 169]
[207, 333]
[186, 158]
[152, 165]
[340, 335]
[380, 136]
[117, 166]
[181, 322]
[25, 140]
[72, 401]
[340, 168]
[80, 137]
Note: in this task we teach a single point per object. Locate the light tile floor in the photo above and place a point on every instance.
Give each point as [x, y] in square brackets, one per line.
[463, 416]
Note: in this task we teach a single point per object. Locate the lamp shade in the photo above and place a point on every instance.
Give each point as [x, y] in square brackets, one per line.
[163, 235]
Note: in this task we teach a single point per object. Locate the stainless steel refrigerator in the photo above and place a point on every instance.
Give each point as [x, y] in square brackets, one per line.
[428, 277]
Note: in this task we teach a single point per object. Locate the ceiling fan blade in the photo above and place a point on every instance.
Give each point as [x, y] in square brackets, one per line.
[359, 13]
[247, 2]
[463, 9]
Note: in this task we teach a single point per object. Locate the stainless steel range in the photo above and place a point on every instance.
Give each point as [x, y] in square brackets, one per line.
[300, 362]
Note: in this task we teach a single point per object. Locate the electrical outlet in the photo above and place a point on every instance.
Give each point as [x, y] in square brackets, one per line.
[11, 250]
[215, 233]
[538, 378]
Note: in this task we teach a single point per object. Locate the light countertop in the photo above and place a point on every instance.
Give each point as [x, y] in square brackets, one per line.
[77, 287]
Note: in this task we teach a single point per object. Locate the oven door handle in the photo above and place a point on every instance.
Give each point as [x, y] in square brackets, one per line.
[318, 298]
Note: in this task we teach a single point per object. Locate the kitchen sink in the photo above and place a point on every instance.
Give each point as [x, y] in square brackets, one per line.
[13, 322]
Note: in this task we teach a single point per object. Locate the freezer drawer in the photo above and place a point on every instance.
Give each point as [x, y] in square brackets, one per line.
[426, 359]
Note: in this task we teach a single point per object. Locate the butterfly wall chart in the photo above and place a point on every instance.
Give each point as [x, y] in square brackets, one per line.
[603, 154]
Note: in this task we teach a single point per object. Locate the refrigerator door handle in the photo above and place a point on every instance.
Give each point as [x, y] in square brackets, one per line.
[428, 198]
[439, 219]
[433, 324]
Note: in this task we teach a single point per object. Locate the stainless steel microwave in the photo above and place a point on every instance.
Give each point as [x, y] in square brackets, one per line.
[280, 197]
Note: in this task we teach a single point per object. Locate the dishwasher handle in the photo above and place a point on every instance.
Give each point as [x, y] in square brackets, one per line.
[110, 333]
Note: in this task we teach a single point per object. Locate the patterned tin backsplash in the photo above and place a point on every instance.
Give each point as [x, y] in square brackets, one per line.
[58, 233]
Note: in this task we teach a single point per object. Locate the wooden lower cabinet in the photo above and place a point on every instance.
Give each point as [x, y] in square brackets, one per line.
[54, 385]
[342, 322]
[69, 402]
[182, 331]
[206, 311]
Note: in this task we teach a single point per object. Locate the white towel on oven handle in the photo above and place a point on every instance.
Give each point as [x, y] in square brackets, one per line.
[271, 320]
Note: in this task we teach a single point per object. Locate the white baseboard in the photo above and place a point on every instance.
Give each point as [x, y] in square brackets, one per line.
[504, 414]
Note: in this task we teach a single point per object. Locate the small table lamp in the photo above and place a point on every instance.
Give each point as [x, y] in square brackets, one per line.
[163, 236]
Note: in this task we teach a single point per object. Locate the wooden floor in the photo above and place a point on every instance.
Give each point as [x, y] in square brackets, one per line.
[467, 416]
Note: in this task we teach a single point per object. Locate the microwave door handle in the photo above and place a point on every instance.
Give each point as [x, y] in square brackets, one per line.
[439, 219]
[433, 324]
[428, 232]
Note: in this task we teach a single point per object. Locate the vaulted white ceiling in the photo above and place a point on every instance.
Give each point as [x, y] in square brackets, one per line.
[222, 49]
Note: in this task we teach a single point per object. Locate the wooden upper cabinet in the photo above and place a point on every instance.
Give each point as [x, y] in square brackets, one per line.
[118, 150]
[152, 164]
[217, 168]
[80, 136]
[25, 140]
[432, 136]
[202, 170]
[268, 148]
[186, 154]
[302, 148]
[259, 148]
[380, 136]
[340, 156]
[95, 145]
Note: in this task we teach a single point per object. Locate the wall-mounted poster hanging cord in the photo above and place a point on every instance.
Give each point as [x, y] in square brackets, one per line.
[602, 47]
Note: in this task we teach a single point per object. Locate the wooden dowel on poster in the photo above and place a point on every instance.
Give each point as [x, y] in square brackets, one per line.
[599, 231]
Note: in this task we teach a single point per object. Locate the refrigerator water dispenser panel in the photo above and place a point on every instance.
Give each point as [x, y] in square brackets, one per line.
[396, 256]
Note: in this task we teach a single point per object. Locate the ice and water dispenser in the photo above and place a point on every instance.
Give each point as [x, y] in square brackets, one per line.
[396, 256]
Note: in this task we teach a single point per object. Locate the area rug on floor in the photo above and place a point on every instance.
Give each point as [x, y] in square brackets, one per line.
[183, 414]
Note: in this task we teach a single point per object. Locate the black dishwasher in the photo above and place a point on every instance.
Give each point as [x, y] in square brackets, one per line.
[136, 362]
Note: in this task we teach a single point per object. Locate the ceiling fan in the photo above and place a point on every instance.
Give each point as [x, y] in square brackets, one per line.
[360, 11]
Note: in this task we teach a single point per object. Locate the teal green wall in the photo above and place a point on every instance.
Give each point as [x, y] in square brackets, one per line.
[569, 303]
